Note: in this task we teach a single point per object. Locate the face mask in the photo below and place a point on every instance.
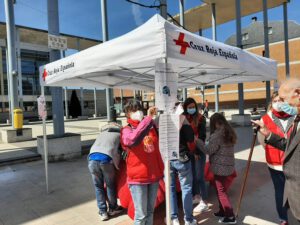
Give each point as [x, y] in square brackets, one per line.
[277, 106]
[191, 111]
[138, 115]
[291, 110]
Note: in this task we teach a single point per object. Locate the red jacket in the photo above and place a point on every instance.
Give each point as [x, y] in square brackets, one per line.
[274, 156]
[144, 162]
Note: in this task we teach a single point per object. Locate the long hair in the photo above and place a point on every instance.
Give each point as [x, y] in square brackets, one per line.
[274, 95]
[229, 133]
[196, 114]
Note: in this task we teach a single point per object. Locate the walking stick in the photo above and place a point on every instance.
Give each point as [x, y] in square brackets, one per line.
[255, 130]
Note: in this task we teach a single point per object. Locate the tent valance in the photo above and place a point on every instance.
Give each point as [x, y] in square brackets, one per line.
[128, 62]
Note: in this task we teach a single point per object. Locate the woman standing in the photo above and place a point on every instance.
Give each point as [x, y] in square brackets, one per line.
[281, 124]
[221, 156]
[144, 164]
[198, 160]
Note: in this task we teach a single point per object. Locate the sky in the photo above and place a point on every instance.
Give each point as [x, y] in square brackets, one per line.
[83, 17]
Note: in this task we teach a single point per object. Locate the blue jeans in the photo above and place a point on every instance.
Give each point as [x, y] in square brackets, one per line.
[199, 185]
[104, 173]
[278, 179]
[184, 172]
[143, 196]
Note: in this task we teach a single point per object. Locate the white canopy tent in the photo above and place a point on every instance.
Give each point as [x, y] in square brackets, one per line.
[128, 62]
[132, 61]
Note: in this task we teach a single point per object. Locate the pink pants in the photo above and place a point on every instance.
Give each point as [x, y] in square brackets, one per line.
[222, 184]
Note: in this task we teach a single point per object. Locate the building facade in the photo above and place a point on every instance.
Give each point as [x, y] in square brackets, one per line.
[253, 41]
[32, 52]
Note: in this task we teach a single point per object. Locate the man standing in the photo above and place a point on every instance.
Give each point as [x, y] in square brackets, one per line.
[289, 92]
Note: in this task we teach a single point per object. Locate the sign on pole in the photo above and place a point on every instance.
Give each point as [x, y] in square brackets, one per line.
[57, 42]
[166, 84]
[169, 136]
[42, 107]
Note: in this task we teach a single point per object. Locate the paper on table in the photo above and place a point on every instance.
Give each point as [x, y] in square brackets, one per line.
[169, 136]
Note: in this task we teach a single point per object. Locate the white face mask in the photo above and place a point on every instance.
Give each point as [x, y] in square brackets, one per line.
[138, 115]
[277, 106]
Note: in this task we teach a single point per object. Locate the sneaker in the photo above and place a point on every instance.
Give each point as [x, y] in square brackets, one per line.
[284, 223]
[194, 222]
[219, 214]
[201, 207]
[173, 221]
[116, 211]
[228, 220]
[103, 216]
[196, 200]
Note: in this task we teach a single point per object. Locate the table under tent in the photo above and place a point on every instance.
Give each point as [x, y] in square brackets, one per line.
[147, 57]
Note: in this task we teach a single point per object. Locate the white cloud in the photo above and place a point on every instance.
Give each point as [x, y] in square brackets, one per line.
[137, 14]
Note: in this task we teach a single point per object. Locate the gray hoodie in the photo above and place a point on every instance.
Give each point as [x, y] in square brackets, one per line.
[107, 142]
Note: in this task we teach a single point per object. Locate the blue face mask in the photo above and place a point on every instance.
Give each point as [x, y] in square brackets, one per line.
[191, 111]
[285, 107]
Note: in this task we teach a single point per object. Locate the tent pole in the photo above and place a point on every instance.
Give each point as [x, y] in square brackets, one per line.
[214, 35]
[95, 102]
[181, 11]
[168, 191]
[239, 45]
[45, 144]
[267, 49]
[163, 12]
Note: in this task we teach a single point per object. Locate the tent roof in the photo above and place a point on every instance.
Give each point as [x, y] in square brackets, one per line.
[128, 62]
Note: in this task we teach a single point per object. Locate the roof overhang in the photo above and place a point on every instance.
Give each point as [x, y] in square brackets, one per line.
[199, 18]
[40, 37]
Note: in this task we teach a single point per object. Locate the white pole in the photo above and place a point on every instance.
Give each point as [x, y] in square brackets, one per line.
[167, 188]
[45, 145]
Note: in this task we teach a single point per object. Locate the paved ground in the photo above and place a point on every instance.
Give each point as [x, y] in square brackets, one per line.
[23, 198]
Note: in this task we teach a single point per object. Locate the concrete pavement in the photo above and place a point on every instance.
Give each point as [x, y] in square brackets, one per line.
[23, 198]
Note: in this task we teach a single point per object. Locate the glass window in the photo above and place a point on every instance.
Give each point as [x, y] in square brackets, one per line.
[270, 30]
[245, 37]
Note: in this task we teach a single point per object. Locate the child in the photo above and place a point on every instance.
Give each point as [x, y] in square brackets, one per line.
[103, 159]
[144, 163]
[221, 156]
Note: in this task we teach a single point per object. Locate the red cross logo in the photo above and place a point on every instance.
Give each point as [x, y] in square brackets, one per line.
[45, 74]
[184, 45]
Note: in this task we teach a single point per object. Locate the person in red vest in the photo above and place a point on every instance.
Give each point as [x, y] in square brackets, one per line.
[281, 124]
[139, 138]
[198, 160]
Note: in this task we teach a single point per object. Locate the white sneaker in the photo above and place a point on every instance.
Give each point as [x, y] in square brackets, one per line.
[173, 222]
[194, 222]
[201, 207]
[196, 200]
[103, 216]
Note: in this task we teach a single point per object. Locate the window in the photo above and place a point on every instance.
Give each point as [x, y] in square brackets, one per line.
[270, 30]
[245, 37]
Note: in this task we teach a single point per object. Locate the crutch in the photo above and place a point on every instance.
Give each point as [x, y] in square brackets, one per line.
[255, 130]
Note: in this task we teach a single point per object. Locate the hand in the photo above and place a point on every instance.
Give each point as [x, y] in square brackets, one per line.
[197, 157]
[263, 129]
[152, 111]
